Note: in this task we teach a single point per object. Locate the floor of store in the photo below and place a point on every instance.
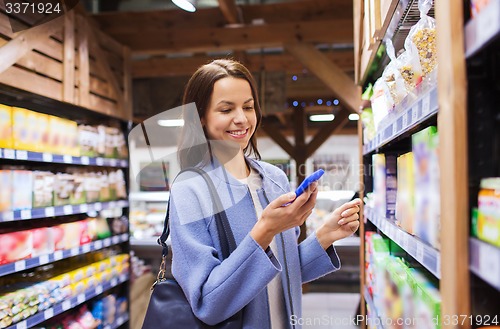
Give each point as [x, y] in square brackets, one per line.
[329, 310]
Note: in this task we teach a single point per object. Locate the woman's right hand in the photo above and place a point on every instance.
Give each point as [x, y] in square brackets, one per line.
[277, 218]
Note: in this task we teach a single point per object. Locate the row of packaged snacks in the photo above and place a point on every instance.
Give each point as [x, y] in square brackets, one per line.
[27, 295]
[22, 129]
[406, 187]
[46, 240]
[403, 296]
[46, 189]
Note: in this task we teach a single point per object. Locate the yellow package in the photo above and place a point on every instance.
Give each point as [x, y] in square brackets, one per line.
[77, 275]
[21, 137]
[5, 126]
[43, 132]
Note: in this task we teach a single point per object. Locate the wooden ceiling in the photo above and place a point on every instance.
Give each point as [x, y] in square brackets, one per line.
[312, 39]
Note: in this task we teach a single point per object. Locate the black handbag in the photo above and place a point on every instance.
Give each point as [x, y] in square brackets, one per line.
[168, 307]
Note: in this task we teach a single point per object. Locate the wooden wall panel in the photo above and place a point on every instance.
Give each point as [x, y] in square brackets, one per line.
[32, 82]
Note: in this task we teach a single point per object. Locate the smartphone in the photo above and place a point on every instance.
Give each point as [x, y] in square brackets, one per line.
[308, 181]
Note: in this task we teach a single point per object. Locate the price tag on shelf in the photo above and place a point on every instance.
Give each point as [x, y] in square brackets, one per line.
[22, 325]
[414, 114]
[420, 252]
[115, 239]
[85, 160]
[26, 214]
[405, 241]
[67, 159]
[48, 313]
[405, 120]
[112, 205]
[107, 242]
[58, 254]
[50, 212]
[20, 265]
[47, 157]
[75, 251]
[438, 265]
[489, 267]
[400, 236]
[68, 209]
[426, 104]
[21, 155]
[394, 129]
[98, 206]
[98, 290]
[66, 305]
[124, 237]
[98, 244]
[112, 162]
[86, 248]
[99, 161]
[84, 208]
[9, 154]
[43, 259]
[80, 299]
[123, 163]
[114, 282]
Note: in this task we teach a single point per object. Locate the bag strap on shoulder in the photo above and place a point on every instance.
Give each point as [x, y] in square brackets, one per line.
[226, 237]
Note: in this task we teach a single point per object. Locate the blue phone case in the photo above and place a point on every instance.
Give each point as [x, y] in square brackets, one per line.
[308, 181]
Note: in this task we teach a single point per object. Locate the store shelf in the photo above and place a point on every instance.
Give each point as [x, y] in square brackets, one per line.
[61, 254]
[149, 196]
[485, 261]
[118, 323]
[57, 158]
[377, 323]
[7, 216]
[429, 257]
[68, 304]
[404, 118]
[482, 29]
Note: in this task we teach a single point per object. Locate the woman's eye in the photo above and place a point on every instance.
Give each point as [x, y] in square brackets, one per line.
[225, 110]
[248, 108]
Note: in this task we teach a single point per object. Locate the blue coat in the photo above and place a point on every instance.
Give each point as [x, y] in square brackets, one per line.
[218, 289]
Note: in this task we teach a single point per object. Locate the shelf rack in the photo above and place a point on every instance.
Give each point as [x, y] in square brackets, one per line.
[485, 261]
[482, 29]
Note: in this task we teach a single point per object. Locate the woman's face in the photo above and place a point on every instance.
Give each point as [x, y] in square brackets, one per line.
[231, 114]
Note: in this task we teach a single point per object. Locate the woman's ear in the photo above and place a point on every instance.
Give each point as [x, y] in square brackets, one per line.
[202, 121]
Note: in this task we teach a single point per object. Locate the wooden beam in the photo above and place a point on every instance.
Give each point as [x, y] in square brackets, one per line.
[174, 40]
[127, 83]
[318, 64]
[290, 11]
[311, 131]
[453, 160]
[231, 13]
[156, 67]
[358, 28]
[23, 42]
[272, 131]
[83, 62]
[69, 57]
[341, 120]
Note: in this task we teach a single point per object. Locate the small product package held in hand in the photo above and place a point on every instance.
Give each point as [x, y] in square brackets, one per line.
[422, 38]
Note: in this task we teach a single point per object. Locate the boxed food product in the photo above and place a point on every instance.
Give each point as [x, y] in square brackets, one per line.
[5, 190]
[391, 185]
[427, 191]
[21, 136]
[488, 217]
[43, 242]
[5, 126]
[43, 189]
[42, 135]
[405, 199]
[63, 189]
[15, 246]
[88, 138]
[22, 197]
[379, 183]
[56, 135]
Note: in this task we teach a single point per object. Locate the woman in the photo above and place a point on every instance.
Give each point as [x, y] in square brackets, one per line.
[264, 275]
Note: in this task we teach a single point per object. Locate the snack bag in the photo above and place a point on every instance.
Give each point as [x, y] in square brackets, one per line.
[409, 67]
[392, 76]
[422, 38]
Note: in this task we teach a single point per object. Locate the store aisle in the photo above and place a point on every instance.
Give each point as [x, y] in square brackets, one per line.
[329, 310]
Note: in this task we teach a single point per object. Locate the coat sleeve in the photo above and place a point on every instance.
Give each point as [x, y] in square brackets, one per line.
[215, 289]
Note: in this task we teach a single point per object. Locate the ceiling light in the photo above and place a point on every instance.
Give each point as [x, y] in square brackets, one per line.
[171, 123]
[354, 117]
[187, 5]
[322, 117]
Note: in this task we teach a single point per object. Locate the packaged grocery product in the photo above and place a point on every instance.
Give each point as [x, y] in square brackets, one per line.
[88, 138]
[392, 76]
[391, 185]
[488, 217]
[382, 102]
[427, 191]
[21, 136]
[22, 198]
[379, 183]
[43, 189]
[5, 126]
[405, 199]
[43, 135]
[43, 242]
[422, 38]
[476, 6]
[409, 66]
[15, 246]
[5, 190]
[63, 189]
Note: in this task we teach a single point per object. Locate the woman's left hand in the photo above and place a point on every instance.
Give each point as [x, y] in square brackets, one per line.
[341, 223]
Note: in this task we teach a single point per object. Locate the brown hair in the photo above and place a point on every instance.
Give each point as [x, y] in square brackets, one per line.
[199, 90]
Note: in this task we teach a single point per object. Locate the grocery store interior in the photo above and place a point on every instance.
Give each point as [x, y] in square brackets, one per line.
[396, 100]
